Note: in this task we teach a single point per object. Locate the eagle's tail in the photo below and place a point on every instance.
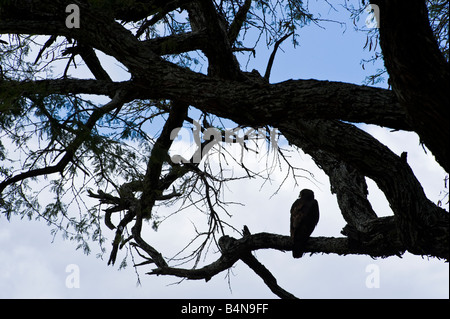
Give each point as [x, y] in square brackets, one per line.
[297, 251]
[299, 245]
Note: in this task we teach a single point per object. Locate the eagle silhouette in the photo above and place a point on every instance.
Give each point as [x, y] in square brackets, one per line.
[304, 218]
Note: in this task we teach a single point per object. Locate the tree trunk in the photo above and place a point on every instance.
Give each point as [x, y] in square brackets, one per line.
[418, 72]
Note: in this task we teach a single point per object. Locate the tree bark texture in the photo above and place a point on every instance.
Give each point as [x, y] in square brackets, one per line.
[418, 72]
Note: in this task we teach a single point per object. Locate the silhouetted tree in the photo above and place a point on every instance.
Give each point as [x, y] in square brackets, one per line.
[77, 143]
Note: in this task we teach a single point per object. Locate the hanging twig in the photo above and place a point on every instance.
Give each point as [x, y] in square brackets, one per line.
[272, 56]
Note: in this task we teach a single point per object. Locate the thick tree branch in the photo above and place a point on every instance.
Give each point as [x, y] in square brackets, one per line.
[347, 183]
[218, 49]
[138, 10]
[177, 43]
[419, 73]
[151, 192]
[380, 239]
[233, 249]
[91, 60]
[159, 155]
[246, 103]
[239, 19]
[422, 226]
[11, 89]
[48, 17]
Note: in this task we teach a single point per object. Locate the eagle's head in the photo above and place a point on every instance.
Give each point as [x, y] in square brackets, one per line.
[306, 194]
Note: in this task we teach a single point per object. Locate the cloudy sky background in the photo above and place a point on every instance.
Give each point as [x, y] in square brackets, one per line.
[33, 264]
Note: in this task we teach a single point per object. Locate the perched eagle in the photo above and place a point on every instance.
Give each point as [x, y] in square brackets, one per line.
[304, 218]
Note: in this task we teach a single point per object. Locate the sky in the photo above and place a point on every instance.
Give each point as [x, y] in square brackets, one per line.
[34, 264]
